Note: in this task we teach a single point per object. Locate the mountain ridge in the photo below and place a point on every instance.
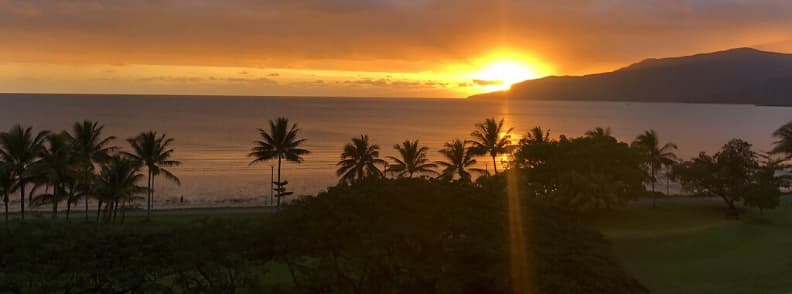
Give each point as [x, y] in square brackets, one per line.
[734, 76]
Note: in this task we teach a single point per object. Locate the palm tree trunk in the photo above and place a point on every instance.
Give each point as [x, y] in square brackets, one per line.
[123, 211]
[152, 193]
[85, 177]
[107, 212]
[654, 195]
[30, 195]
[114, 212]
[22, 199]
[86, 207]
[494, 164]
[272, 185]
[98, 211]
[5, 200]
[279, 180]
[55, 201]
[68, 208]
[668, 184]
[148, 198]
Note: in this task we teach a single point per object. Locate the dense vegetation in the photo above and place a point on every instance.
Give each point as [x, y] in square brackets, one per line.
[377, 236]
[408, 224]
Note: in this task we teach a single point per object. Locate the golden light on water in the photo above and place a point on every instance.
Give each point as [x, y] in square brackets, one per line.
[518, 220]
[520, 259]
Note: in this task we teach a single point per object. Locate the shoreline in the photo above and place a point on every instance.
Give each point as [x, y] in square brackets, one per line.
[187, 211]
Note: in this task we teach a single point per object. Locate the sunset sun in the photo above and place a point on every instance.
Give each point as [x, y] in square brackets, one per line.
[502, 74]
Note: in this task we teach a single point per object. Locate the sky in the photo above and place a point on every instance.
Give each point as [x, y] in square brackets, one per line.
[375, 48]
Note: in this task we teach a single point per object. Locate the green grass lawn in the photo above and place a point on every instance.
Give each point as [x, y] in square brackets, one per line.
[682, 246]
[687, 246]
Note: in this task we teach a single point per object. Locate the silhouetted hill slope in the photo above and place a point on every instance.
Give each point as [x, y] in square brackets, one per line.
[743, 76]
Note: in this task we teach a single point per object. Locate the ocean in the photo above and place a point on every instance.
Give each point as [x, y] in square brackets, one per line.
[213, 134]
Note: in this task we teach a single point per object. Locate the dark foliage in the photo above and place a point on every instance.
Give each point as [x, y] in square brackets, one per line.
[729, 174]
[208, 257]
[417, 236]
[595, 171]
[375, 236]
[736, 174]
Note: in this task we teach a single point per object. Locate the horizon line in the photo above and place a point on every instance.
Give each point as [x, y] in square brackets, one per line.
[232, 95]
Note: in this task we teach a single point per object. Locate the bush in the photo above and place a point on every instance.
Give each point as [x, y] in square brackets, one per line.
[410, 235]
[379, 236]
[205, 257]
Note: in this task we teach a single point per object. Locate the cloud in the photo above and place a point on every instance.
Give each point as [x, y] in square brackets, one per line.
[487, 82]
[186, 79]
[372, 35]
[371, 46]
[398, 84]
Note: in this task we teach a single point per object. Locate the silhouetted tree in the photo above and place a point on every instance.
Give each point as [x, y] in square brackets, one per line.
[459, 161]
[7, 184]
[412, 160]
[536, 135]
[491, 138]
[765, 193]
[90, 149]
[783, 145]
[281, 141]
[153, 151]
[55, 167]
[534, 149]
[359, 161]
[117, 184]
[589, 172]
[72, 192]
[20, 148]
[655, 156]
[599, 132]
[729, 174]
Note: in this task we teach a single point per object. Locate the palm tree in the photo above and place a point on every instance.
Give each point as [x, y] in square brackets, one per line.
[20, 148]
[153, 151]
[599, 132]
[7, 185]
[490, 138]
[459, 159]
[359, 161]
[534, 149]
[412, 160]
[117, 184]
[655, 156]
[784, 143]
[536, 135]
[55, 166]
[73, 192]
[90, 149]
[281, 142]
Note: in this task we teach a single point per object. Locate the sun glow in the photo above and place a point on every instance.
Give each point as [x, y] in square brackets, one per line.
[502, 68]
[500, 75]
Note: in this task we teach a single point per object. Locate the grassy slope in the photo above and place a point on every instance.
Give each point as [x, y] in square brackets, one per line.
[683, 246]
[687, 246]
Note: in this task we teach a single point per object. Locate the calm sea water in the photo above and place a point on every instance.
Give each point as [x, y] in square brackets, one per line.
[213, 134]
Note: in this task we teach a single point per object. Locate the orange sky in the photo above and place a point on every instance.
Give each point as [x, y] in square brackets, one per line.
[420, 48]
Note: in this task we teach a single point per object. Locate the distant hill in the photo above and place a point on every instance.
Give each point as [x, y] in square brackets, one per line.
[739, 76]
